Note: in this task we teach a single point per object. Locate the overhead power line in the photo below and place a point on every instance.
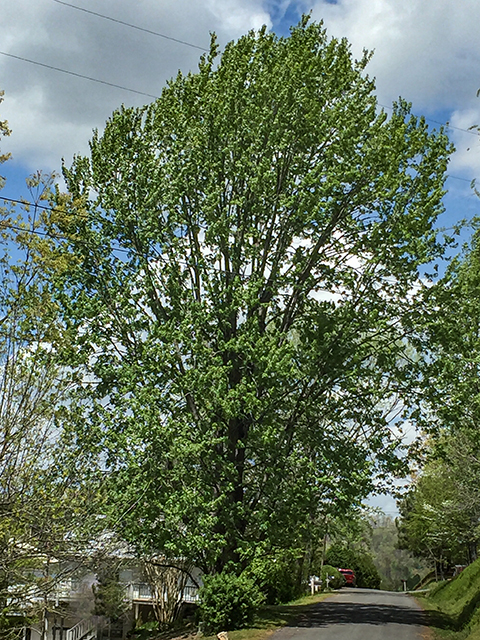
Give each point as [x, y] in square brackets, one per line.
[155, 97]
[469, 180]
[26, 203]
[57, 236]
[189, 44]
[442, 124]
[450, 126]
[78, 75]
[132, 26]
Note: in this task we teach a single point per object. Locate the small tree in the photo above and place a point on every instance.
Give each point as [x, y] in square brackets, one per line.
[46, 498]
[434, 521]
[167, 580]
[331, 577]
[278, 574]
[109, 594]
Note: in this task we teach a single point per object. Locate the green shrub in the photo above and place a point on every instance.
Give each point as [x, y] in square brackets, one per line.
[228, 601]
[360, 562]
[278, 576]
[335, 578]
[366, 572]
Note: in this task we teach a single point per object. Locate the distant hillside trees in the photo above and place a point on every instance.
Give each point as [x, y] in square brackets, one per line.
[394, 564]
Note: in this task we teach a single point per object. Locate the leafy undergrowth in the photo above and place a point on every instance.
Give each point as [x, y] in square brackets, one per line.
[453, 606]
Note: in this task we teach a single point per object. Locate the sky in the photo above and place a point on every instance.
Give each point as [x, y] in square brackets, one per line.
[427, 51]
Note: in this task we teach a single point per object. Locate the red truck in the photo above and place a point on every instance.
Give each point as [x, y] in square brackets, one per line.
[349, 576]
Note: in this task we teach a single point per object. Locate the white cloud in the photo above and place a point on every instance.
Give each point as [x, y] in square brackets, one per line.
[428, 52]
[466, 159]
[52, 114]
[239, 17]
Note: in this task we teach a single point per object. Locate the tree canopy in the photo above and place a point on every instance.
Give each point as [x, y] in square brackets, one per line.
[242, 254]
[441, 511]
[449, 340]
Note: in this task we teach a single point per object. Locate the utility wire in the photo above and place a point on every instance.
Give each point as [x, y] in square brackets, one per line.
[78, 75]
[149, 95]
[450, 126]
[44, 234]
[462, 179]
[155, 97]
[189, 44]
[442, 124]
[26, 203]
[132, 26]
[8, 225]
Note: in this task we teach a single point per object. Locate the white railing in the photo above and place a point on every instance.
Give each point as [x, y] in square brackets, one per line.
[190, 594]
[84, 630]
[141, 591]
[67, 589]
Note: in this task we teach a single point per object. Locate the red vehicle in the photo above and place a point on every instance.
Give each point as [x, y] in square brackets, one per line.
[349, 576]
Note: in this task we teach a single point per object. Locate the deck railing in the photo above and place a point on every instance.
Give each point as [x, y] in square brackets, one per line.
[140, 591]
[83, 630]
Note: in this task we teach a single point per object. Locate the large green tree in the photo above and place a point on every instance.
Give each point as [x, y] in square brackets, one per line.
[244, 253]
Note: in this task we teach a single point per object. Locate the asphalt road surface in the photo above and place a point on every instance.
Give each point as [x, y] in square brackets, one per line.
[359, 614]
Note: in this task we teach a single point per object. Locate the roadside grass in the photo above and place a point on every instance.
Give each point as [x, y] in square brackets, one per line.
[452, 606]
[474, 628]
[439, 623]
[272, 617]
[443, 631]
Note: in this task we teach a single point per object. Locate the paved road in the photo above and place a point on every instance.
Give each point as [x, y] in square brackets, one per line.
[359, 614]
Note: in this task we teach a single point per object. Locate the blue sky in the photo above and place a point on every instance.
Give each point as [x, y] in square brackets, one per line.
[425, 51]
